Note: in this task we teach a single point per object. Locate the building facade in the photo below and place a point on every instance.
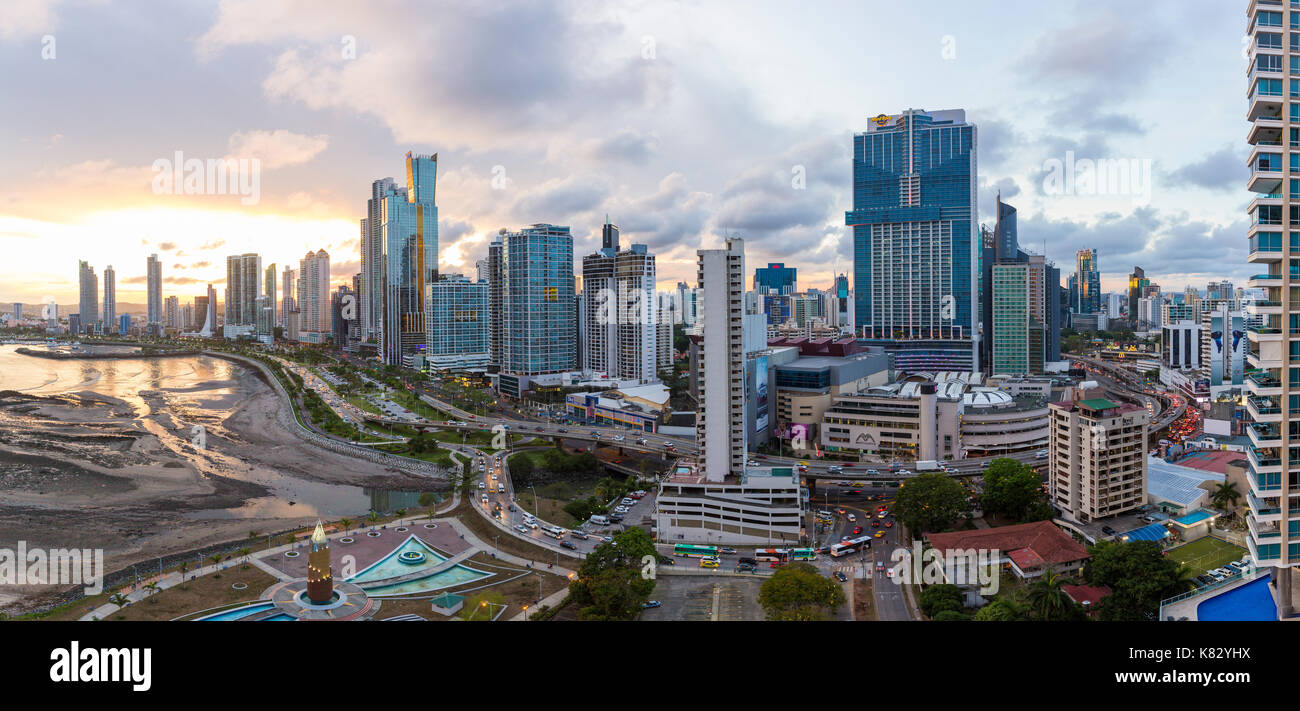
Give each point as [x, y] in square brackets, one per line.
[153, 296]
[1097, 465]
[458, 323]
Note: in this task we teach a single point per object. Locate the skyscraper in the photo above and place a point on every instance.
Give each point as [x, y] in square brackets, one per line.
[172, 312]
[288, 299]
[458, 323]
[88, 310]
[915, 247]
[272, 296]
[537, 321]
[776, 278]
[409, 232]
[314, 297]
[110, 300]
[1273, 514]
[720, 426]
[1019, 326]
[243, 286]
[1085, 284]
[153, 296]
[1137, 284]
[618, 302]
[372, 290]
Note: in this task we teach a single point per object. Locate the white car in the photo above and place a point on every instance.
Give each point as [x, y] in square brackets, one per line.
[621, 509]
[627, 502]
[618, 438]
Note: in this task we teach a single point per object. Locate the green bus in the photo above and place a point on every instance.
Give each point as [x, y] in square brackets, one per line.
[803, 554]
[695, 551]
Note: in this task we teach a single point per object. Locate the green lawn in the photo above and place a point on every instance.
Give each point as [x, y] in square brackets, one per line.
[1206, 554]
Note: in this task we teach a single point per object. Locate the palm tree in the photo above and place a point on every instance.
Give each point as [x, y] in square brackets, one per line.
[346, 523]
[1225, 495]
[216, 560]
[184, 568]
[152, 587]
[244, 552]
[372, 516]
[1047, 599]
[118, 599]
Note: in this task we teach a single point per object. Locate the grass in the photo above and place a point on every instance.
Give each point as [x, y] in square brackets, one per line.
[547, 509]
[493, 536]
[199, 594]
[515, 593]
[1206, 554]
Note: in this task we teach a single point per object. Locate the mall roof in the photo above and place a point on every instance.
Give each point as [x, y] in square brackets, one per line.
[1177, 484]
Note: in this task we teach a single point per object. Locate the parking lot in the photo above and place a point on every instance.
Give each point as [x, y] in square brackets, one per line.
[705, 599]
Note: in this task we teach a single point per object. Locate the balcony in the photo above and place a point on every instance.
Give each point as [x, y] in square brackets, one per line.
[1263, 281]
[1263, 409]
[1265, 128]
[1263, 530]
[1263, 384]
[1264, 181]
[1264, 308]
[1263, 435]
[1262, 509]
[1264, 104]
[1263, 464]
[1263, 334]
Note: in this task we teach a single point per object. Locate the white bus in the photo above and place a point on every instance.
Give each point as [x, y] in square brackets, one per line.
[554, 532]
[852, 545]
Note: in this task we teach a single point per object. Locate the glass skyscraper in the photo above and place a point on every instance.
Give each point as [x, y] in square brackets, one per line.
[915, 249]
[408, 230]
[458, 322]
[776, 278]
[538, 319]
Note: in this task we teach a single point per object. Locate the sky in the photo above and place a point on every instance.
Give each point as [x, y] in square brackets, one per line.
[684, 122]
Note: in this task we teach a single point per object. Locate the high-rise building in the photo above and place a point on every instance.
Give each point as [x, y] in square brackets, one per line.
[18, 311]
[1019, 331]
[314, 297]
[272, 296]
[372, 290]
[1097, 465]
[110, 299]
[685, 302]
[153, 295]
[288, 296]
[496, 303]
[915, 244]
[409, 232]
[1137, 284]
[458, 323]
[209, 325]
[243, 286]
[537, 321]
[1085, 284]
[619, 314]
[172, 312]
[340, 325]
[88, 310]
[776, 279]
[720, 423]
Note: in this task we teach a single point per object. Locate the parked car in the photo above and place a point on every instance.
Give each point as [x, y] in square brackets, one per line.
[1108, 530]
[840, 576]
[650, 603]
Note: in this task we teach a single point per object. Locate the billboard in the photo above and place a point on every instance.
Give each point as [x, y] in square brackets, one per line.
[1227, 348]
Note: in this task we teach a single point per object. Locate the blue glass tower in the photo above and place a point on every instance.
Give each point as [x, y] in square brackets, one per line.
[914, 234]
[408, 233]
[776, 278]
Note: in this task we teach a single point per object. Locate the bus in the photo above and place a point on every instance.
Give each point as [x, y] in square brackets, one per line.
[691, 551]
[556, 533]
[782, 555]
[852, 545]
[803, 554]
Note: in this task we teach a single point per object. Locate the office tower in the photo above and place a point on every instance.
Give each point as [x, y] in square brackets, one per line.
[842, 303]
[1223, 347]
[664, 345]
[496, 303]
[619, 314]
[776, 278]
[1097, 457]
[409, 232]
[538, 323]
[288, 294]
[243, 286]
[684, 301]
[272, 296]
[720, 427]
[458, 323]
[1137, 283]
[171, 312]
[1085, 284]
[915, 242]
[153, 296]
[1220, 290]
[314, 297]
[1180, 344]
[264, 325]
[1019, 331]
[372, 290]
[339, 325]
[201, 312]
[124, 324]
[482, 270]
[354, 316]
[18, 310]
[110, 299]
[88, 311]
[187, 317]
[74, 324]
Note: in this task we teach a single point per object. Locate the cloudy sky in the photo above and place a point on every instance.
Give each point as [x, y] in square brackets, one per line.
[683, 121]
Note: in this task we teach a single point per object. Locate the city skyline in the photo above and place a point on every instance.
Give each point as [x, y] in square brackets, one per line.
[672, 189]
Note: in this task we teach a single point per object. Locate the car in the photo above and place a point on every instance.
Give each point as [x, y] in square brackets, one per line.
[580, 535]
[880, 534]
[1236, 566]
[618, 438]
[889, 572]
[875, 524]
[873, 472]
[851, 518]
[840, 511]
[1040, 454]
[746, 568]
[727, 550]
[708, 563]
[562, 430]
[882, 514]
[648, 604]
[1204, 579]
[840, 576]
[568, 545]
[751, 463]
[511, 507]
[607, 539]
[481, 485]
[665, 560]
[857, 529]
[904, 472]
[621, 509]
[845, 538]
[541, 429]
[531, 524]
[1108, 530]
[521, 528]
[641, 441]
[889, 524]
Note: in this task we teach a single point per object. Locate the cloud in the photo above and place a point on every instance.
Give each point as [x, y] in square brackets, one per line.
[1224, 169]
[28, 17]
[276, 149]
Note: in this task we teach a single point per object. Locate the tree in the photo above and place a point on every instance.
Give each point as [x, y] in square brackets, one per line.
[521, 465]
[1139, 575]
[243, 553]
[938, 598]
[931, 502]
[216, 560]
[152, 587]
[1048, 600]
[1001, 610]
[119, 599]
[610, 584]
[1010, 488]
[798, 592]
[950, 616]
[1225, 496]
[184, 568]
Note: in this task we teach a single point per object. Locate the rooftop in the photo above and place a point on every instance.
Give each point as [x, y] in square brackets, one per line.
[1036, 544]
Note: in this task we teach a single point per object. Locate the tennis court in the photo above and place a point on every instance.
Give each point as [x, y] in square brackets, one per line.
[1206, 554]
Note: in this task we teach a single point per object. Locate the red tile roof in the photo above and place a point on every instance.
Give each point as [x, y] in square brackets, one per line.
[1036, 544]
[1090, 594]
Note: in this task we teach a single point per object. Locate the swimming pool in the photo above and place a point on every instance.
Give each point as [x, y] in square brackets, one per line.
[1251, 602]
[238, 613]
[390, 566]
[454, 575]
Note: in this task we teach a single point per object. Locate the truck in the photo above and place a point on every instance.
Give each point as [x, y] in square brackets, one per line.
[928, 465]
